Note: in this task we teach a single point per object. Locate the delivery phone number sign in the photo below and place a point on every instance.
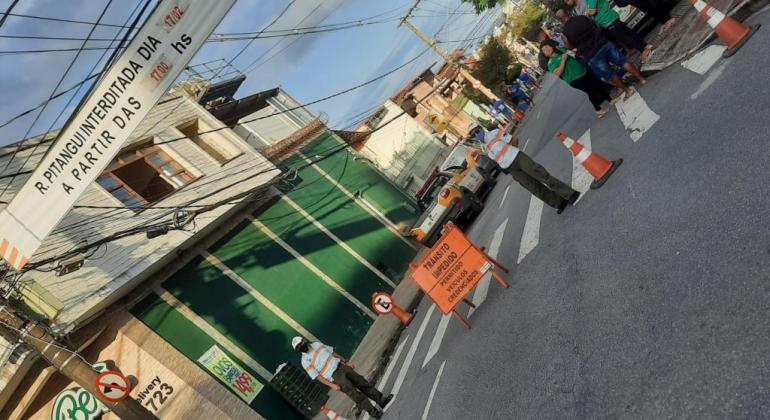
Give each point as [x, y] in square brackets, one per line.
[451, 269]
[91, 139]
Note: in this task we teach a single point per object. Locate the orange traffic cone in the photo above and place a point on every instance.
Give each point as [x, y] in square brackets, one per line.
[331, 414]
[732, 32]
[596, 165]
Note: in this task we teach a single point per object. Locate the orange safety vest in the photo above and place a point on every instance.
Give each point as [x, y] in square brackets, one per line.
[503, 152]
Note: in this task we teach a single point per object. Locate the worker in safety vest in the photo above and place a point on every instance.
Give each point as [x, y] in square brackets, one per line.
[502, 148]
[322, 363]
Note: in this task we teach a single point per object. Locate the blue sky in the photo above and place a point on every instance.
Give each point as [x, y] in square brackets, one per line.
[314, 66]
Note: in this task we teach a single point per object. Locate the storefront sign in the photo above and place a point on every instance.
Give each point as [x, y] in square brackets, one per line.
[229, 372]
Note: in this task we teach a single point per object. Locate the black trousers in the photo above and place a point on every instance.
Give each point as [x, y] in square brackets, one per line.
[594, 88]
[536, 179]
[622, 34]
[655, 8]
[356, 387]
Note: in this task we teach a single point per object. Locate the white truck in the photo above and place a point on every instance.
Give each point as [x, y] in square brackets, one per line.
[454, 193]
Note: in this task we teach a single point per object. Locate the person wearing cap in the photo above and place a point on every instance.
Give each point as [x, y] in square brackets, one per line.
[322, 363]
[502, 148]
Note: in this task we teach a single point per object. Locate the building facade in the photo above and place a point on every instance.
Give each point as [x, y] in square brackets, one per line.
[301, 233]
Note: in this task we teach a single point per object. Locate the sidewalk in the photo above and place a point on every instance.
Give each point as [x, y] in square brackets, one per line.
[691, 32]
[372, 355]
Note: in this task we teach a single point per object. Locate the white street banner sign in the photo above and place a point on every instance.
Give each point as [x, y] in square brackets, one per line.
[132, 86]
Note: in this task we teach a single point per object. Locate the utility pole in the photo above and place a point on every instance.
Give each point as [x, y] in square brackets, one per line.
[65, 361]
[434, 45]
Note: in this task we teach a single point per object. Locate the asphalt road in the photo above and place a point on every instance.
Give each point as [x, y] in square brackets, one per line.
[650, 299]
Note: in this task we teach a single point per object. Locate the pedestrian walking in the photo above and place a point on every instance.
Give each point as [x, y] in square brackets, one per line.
[503, 149]
[575, 74]
[322, 363]
[582, 34]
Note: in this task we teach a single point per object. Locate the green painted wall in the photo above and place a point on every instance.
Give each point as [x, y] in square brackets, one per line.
[193, 343]
[285, 281]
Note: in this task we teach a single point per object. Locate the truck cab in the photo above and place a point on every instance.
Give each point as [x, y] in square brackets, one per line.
[455, 192]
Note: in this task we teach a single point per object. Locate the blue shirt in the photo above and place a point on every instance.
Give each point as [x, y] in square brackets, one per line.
[320, 360]
[501, 151]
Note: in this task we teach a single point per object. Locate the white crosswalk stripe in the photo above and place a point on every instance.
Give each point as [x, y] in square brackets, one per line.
[531, 235]
[412, 350]
[433, 391]
[482, 288]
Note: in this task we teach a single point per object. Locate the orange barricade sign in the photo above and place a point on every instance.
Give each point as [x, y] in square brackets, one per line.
[451, 269]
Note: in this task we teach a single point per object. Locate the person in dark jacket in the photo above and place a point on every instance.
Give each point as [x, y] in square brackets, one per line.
[575, 74]
[582, 34]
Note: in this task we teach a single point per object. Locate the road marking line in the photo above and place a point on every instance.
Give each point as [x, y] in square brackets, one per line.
[259, 297]
[310, 266]
[433, 391]
[636, 116]
[505, 195]
[213, 333]
[531, 235]
[581, 178]
[384, 380]
[361, 203]
[435, 344]
[410, 354]
[526, 142]
[709, 80]
[480, 294]
[335, 238]
[392, 364]
[702, 62]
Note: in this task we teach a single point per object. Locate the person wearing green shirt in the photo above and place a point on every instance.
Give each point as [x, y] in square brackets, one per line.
[607, 18]
[575, 74]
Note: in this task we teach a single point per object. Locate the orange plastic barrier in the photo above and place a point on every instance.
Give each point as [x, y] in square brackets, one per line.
[451, 269]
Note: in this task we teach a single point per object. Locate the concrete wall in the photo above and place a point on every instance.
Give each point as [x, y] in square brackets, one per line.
[403, 150]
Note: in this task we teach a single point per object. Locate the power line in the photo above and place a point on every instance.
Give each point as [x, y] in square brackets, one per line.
[256, 60]
[213, 206]
[251, 41]
[7, 12]
[53, 92]
[123, 208]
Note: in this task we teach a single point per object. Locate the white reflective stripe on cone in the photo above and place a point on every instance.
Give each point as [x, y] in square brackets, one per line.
[568, 142]
[700, 5]
[715, 17]
[583, 155]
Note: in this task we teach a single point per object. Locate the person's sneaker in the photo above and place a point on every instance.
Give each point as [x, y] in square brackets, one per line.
[562, 206]
[573, 198]
[375, 413]
[385, 401]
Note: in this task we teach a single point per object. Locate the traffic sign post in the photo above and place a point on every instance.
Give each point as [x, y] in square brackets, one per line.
[112, 386]
[452, 268]
[383, 304]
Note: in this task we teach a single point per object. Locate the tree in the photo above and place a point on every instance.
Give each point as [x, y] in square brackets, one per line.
[526, 24]
[492, 68]
[513, 73]
[482, 5]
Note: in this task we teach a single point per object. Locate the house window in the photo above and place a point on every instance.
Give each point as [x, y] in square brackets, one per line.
[143, 175]
[218, 148]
